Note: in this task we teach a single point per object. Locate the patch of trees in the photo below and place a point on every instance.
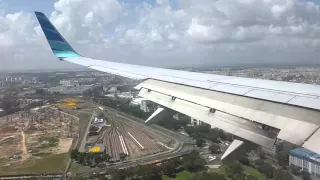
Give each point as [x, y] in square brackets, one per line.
[282, 158]
[271, 172]
[235, 171]
[89, 159]
[306, 176]
[173, 124]
[214, 149]
[9, 105]
[191, 162]
[206, 132]
[200, 142]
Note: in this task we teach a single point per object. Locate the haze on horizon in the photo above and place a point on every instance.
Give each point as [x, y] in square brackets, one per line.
[163, 33]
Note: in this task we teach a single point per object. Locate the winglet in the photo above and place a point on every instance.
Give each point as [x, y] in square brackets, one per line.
[59, 46]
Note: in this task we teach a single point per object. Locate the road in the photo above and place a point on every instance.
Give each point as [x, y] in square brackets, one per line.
[124, 164]
[84, 139]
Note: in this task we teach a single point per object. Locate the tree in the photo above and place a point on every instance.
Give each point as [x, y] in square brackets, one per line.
[122, 156]
[282, 175]
[261, 153]
[200, 142]
[306, 176]
[244, 160]
[74, 154]
[214, 149]
[170, 166]
[193, 161]
[267, 169]
[234, 170]
[213, 135]
[295, 170]
[282, 158]
[259, 162]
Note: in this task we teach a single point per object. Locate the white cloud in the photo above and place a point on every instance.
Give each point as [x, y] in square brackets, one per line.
[193, 32]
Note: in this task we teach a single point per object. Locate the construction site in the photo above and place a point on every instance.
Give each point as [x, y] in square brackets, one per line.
[122, 138]
[35, 133]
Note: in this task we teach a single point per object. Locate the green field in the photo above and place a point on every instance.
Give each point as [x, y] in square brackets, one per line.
[248, 170]
[180, 176]
[84, 116]
[254, 172]
[47, 164]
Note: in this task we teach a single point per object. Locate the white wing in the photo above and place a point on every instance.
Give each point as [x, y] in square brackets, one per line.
[236, 105]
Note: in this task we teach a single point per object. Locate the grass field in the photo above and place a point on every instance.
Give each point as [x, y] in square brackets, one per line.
[254, 172]
[84, 117]
[180, 176]
[47, 164]
[248, 170]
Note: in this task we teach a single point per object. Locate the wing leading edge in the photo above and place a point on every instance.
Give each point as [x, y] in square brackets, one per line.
[303, 95]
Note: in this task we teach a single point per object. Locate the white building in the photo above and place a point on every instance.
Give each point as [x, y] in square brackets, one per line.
[112, 90]
[181, 117]
[147, 106]
[306, 160]
[136, 101]
[65, 83]
[195, 122]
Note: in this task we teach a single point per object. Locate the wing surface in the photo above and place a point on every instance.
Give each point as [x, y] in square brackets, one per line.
[302, 95]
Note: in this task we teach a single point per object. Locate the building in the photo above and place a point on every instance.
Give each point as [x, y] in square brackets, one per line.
[147, 106]
[98, 148]
[136, 101]
[70, 90]
[181, 117]
[306, 159]
[195, 122]
[65, 83]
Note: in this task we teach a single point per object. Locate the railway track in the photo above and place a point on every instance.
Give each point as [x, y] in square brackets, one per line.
[128, 138]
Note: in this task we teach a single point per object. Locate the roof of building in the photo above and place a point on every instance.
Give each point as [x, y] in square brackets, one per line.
[302, 152]
[97, 148]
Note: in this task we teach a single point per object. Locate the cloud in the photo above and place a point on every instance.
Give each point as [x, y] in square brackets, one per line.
[188, 32]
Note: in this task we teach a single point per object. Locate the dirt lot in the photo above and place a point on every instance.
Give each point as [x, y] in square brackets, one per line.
[27, 137]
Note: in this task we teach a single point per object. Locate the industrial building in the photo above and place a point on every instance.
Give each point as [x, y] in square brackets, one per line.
[306, 159]
[98, 148]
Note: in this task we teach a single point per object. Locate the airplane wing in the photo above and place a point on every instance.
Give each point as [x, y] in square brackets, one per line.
[240, 106]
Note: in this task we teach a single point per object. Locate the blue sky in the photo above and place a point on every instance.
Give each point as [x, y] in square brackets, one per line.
[46, 6]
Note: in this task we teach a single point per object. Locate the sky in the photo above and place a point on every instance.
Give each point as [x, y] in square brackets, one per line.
[163, 33]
